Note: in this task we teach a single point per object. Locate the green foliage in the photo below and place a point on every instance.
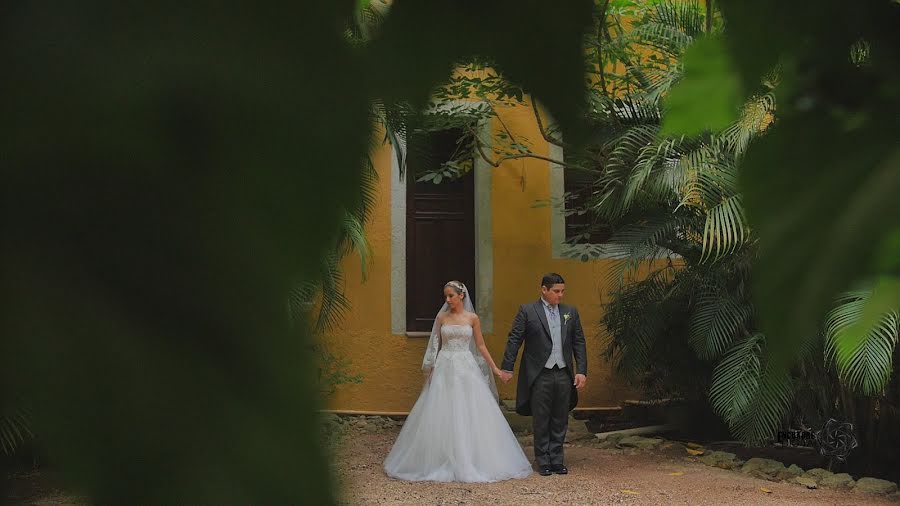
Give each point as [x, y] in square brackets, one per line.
[333, 371]
[324, 291]
[848, 209]
[670, 141]
[15, 429]
[840, 137]
[169, 178]
[861, 335]
[645, 327]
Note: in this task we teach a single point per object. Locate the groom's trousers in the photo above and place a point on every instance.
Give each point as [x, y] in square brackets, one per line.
[550, 415]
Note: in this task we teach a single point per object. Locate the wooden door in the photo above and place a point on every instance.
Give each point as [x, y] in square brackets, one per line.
[440, 229]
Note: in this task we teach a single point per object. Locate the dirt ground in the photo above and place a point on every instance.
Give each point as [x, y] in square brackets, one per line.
[597, 476]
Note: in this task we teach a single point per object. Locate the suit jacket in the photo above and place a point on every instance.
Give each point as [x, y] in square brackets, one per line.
[530, 328]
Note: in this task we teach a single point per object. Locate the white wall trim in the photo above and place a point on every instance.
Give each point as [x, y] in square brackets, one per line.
[398, 243]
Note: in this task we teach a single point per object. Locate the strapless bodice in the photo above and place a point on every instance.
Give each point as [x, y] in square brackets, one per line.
[455, 337]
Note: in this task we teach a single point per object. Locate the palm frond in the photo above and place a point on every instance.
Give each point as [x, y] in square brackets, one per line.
[395, 118]
[368, 189]
[663, 38]
[660, 80]
[767, 410]
[757, 115]
[614, 190]
[725, 229]
[711, 177]
[868, 366]
[735, 379]
[324, 295]
[354, 238]
[639, 244]
[635, 110]
[687, 18]
[15, 429]
[367, 20]
[652, 161]
[748, 392]
[633, 326]
[716, 321]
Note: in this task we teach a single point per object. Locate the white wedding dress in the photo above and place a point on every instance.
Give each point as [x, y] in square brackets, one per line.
[455, 431]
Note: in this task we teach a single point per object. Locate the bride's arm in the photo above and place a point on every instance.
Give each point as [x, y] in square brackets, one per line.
[479, 343]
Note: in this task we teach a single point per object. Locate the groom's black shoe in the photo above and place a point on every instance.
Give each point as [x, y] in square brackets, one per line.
[545, 470]
[559, 469]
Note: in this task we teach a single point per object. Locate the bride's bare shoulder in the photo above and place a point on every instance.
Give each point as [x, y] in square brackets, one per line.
[473, 318]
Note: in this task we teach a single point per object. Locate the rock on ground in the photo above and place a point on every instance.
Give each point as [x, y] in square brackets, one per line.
[876, 486]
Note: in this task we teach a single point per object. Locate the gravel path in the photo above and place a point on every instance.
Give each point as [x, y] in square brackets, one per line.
[597, 476]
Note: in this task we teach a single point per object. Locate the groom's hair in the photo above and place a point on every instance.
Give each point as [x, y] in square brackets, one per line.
[551, 279]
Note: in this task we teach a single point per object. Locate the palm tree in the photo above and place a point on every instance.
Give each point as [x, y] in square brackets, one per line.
[676, 201]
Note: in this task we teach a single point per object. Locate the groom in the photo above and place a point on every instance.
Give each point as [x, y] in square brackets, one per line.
[548, 381]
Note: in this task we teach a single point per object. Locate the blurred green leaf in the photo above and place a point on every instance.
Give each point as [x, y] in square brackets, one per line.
[171, 173]
[822, 208]
[887, 257]
[707, 98]
[533, 31]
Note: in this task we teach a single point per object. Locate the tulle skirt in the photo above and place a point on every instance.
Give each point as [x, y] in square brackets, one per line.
[455, 431]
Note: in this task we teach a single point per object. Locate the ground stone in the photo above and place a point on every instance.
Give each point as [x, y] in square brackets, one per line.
[817, 473]
[723, 460]
[578, 431]
[840, 480]
[766, 469]
[806, 482]
[643, 443]
[876, 486]
[614, 438]
[791, 472]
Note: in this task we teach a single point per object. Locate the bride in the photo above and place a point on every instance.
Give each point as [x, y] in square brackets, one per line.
[455, 431]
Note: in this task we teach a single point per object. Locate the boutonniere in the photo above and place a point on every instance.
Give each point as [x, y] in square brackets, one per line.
[566, 318]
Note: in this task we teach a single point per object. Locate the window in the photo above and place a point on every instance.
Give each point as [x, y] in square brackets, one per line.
[582, 227]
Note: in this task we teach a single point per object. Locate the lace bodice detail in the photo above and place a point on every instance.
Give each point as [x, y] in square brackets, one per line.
[455, 337]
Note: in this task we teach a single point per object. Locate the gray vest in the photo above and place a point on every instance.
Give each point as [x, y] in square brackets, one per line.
[555, 324]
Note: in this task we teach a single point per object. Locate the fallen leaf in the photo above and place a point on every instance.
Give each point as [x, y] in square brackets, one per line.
[694, 452]
[677, 473]
[631, 492]
[764, 489]
[695, 445]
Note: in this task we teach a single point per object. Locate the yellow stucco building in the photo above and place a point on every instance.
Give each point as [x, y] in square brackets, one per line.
[495, 231]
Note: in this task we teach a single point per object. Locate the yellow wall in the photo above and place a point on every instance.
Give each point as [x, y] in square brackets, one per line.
[390, 364]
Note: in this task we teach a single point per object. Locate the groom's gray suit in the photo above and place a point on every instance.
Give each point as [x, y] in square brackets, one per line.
[545, 390]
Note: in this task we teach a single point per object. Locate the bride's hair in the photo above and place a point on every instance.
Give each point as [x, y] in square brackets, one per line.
[456, 286]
